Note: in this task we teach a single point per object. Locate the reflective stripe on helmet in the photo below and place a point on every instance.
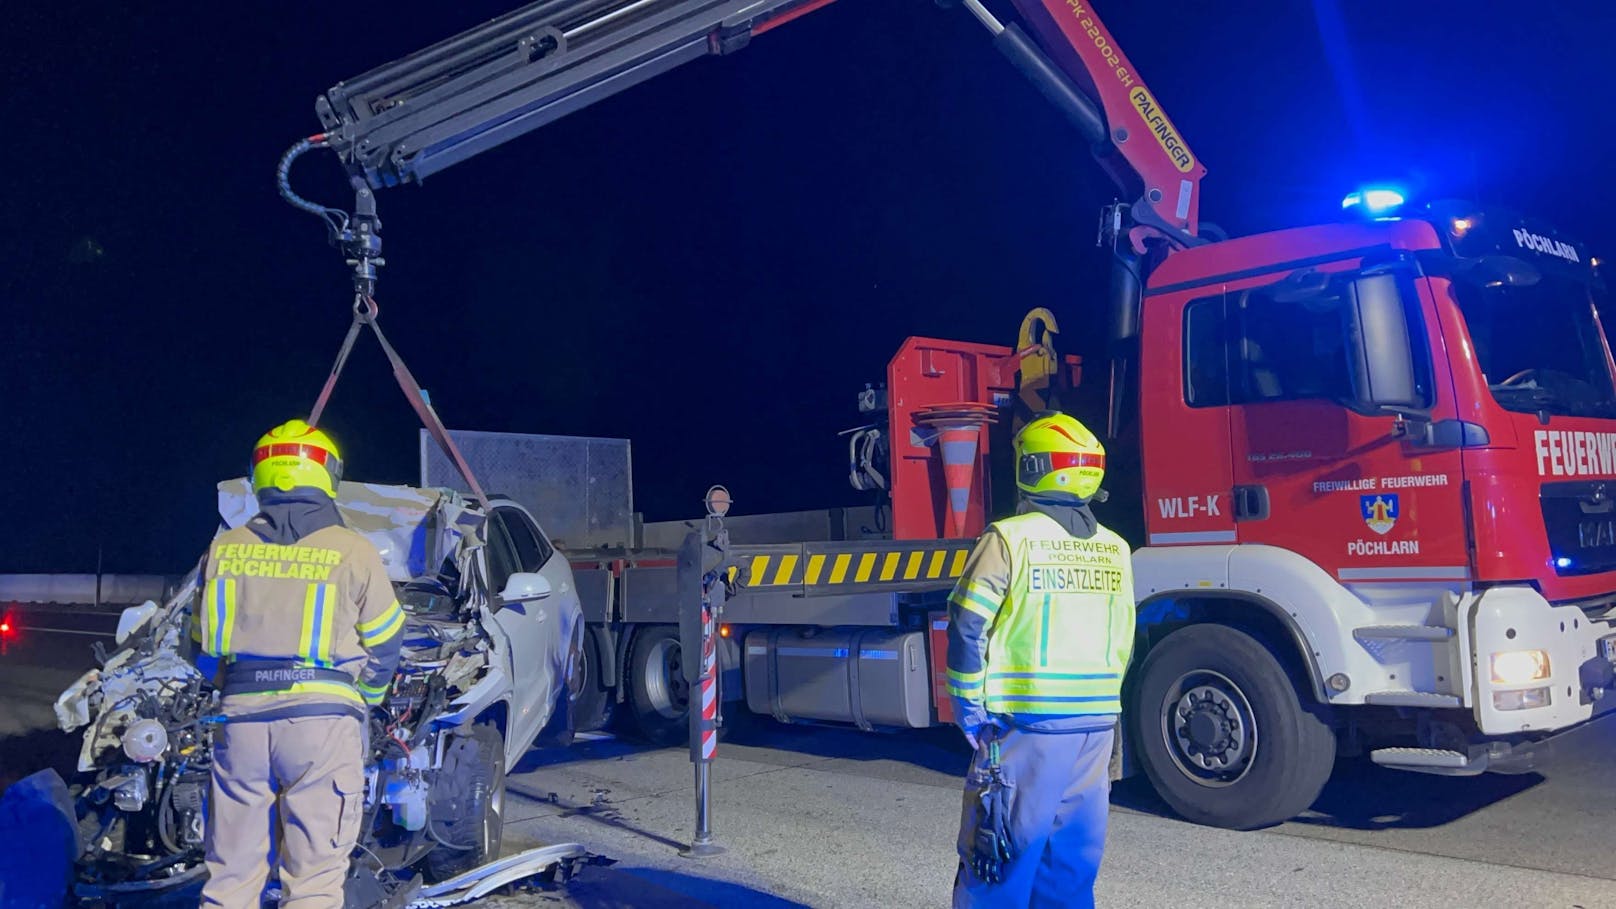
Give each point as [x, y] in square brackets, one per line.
[293, 450]
[1063, 459]
[1036, 465]
[316, 454]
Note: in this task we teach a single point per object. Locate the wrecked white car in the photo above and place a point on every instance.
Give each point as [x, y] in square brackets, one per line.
[493, 638]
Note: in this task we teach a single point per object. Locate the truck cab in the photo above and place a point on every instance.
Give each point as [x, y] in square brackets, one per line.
[1387, 449]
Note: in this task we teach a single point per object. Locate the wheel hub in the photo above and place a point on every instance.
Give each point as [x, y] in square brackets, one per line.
[665, 680]
[1209, 728]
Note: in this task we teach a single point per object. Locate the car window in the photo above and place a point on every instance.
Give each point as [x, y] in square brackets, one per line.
[532, 551]
[502, 561]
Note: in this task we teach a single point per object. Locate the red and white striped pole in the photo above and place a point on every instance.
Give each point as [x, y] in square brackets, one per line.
[707, 683]
[704, 734]
[702, 590]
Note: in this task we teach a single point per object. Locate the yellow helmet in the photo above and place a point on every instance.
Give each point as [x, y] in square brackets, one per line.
[1058, 458]
[296, 454]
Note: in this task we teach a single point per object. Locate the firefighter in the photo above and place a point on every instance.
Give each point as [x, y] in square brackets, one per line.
[1040, 631]
[299, 626]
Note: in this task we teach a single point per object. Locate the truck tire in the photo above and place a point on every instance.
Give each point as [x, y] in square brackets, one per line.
[591, 709]
[1223, 733]
[658, 695]
[467, 818]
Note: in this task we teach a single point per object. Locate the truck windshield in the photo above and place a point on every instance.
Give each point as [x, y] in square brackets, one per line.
[1539, 346]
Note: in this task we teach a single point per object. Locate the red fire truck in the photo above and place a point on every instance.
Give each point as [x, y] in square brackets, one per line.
[1376, 497]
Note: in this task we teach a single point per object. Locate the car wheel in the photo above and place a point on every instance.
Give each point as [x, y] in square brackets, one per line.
[467, 811]
[659, 695]
[1223, 733]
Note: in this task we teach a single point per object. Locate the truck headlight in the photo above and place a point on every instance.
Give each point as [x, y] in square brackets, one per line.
[1517, 667]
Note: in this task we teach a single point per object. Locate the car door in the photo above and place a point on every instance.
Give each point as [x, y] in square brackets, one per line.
[540, 631]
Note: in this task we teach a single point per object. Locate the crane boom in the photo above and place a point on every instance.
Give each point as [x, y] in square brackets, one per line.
[1167, 173]
[406, 120]
[411, 118]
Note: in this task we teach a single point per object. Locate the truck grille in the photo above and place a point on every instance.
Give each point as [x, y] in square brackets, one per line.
[1581, 522]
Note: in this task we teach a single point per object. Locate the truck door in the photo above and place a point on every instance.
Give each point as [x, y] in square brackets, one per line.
[1185, 425]
[1315, 472]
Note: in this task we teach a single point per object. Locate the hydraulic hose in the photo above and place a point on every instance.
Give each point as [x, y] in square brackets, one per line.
[283, 181]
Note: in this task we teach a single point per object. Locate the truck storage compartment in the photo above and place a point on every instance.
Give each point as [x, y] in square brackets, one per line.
[865, 676]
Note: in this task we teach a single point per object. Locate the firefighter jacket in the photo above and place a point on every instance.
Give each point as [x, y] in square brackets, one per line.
[309, 628]
[1041, 624]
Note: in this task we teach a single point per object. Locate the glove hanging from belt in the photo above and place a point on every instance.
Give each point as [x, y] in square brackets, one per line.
[991, 846]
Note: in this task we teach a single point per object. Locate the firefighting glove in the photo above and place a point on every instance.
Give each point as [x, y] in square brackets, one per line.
[991, 846]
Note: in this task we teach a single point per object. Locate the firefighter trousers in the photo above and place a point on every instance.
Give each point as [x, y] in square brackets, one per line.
[288, 792]
[1059, 798]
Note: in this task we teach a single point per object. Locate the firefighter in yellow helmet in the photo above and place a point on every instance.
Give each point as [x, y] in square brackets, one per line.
[1040, 631]
[298, 625]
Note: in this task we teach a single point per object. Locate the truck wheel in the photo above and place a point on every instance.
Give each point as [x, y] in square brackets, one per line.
[1222, 732]
[467, 813]
[591, 709]
[658, 693]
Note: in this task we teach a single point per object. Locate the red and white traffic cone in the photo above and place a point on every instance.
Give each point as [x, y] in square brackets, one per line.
[959, 444]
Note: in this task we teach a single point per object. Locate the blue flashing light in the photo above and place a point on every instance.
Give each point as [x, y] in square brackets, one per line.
[1374, 201]
[1562, 562]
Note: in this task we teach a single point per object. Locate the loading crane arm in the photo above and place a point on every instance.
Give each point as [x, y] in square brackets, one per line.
[411, 118]
[1075, 61]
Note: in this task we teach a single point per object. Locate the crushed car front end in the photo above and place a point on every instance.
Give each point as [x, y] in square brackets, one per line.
[435, 775]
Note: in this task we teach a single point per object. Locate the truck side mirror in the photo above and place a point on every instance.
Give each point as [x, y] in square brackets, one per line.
[524, 587]
[1381, 351]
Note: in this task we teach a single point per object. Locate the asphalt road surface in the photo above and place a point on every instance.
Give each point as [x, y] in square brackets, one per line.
[831, 817]
[41, 653]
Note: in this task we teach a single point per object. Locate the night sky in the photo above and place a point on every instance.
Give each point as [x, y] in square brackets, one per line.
[711, 264]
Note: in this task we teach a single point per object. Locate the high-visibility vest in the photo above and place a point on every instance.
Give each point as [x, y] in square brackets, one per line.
[1063, 635]
[298, 622]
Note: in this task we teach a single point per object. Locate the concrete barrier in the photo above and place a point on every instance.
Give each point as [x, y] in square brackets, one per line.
[80, 589]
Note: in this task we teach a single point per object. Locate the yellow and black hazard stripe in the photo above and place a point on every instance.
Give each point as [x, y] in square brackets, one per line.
[826, 566]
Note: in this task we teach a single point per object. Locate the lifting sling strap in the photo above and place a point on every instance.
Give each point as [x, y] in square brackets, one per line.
[365, 313]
